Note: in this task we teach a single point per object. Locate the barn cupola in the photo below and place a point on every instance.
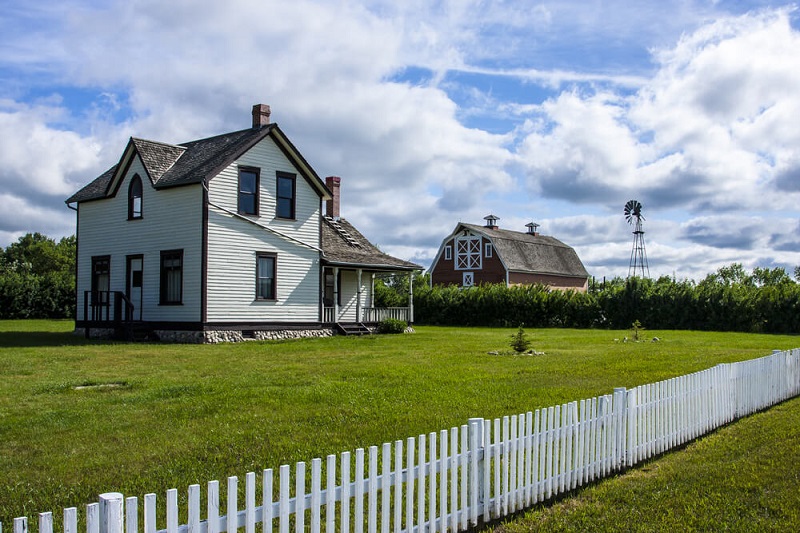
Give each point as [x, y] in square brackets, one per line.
[532, 227]
[491, 221]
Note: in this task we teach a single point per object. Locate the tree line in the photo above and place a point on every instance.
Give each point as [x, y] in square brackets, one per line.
[37, 278]
[731, 299]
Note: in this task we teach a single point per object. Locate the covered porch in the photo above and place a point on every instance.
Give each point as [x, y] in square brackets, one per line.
[348, 296]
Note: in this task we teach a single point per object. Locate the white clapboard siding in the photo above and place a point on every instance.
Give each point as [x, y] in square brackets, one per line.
[233, 242]
[172, 219]
[454, 479]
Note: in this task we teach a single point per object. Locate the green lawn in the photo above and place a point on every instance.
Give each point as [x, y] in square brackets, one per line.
[155, 417]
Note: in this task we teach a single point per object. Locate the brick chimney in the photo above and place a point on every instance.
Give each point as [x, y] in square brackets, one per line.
[332, 205]
[260, 116]
[491, 221]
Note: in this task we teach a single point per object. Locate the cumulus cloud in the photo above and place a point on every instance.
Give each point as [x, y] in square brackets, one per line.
[713, 129]
[700, 126]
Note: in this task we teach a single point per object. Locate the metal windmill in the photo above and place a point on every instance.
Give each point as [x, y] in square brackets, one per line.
[638, 265]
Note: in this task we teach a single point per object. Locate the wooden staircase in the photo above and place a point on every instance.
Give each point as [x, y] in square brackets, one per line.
[352, 328]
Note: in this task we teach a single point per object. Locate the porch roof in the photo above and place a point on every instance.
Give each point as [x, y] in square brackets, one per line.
[344, 245]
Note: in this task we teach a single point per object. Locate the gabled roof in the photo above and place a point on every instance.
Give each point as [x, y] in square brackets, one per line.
[523, 252]
[344, 245]
[171, 165]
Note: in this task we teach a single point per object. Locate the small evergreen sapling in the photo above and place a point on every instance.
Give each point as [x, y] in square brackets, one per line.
[519, 340]
[636, 328]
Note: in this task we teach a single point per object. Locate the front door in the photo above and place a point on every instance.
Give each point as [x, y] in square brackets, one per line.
[134, 284]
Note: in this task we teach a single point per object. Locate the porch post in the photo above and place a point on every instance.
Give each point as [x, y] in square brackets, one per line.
[358, 295]
[336, 294]
[411, 297]
[372, 291]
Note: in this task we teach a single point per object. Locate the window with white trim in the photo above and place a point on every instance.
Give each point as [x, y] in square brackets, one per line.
[487, 249]
[448, 253]
[468, 252]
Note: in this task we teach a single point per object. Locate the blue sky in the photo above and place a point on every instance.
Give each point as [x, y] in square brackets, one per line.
[437, 112]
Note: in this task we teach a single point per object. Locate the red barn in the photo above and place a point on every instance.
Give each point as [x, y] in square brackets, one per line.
[474, 254]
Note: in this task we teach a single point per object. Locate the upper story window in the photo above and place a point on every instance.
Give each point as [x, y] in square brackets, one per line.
[171, 292]
[285, 197]
[248, 190]
[448, 253]
[487, 249]
[468, 252]
[135, 198]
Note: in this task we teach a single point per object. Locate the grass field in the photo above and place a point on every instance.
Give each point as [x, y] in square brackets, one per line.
[78, 418]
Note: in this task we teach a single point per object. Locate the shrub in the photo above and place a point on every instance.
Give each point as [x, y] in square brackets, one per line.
[392, 325]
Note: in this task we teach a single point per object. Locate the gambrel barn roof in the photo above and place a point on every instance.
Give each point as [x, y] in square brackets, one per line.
[527, 252]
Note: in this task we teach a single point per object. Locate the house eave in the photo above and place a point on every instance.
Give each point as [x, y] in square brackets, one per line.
[371, 266]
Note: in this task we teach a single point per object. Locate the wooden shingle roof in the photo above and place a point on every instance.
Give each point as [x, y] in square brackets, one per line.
[344, 245]
[524, 252]
[170, 165]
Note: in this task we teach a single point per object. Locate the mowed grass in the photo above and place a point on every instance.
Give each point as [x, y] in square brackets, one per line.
[78, 418]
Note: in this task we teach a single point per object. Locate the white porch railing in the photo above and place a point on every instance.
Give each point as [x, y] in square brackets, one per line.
[376, 314]
[371, 314]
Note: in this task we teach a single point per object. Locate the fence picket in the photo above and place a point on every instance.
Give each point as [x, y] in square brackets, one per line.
[299, 497]
[410, 484]
[398, 486]
[266, 501]
[70, 520]
[454, 478]
[330, 494]
[344, 523]
[358, 494]
[316, 501]
[46, 522]
[386, 465]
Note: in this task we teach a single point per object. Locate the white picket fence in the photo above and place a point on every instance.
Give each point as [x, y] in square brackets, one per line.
[458, 478]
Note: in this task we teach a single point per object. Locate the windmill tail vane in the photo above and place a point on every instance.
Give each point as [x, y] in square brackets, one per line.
[638, 264]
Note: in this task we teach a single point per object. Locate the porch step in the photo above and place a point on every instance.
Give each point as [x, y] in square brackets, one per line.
[352, 328]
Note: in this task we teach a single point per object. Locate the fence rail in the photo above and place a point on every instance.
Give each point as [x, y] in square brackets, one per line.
[457, 478]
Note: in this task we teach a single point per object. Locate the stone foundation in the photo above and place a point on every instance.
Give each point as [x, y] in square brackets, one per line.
[95, 333]
[213, 337]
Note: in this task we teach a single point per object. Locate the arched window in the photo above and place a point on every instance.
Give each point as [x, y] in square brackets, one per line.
[135, 198]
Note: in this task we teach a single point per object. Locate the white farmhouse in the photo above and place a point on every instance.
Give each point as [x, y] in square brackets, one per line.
[222, 239]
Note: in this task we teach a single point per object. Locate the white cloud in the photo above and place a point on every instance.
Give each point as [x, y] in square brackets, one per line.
[698, 128]
[39, 158]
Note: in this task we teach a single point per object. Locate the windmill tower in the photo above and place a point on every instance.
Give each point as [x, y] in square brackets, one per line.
[638, 265]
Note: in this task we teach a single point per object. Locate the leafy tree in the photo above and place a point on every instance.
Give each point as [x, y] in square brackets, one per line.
[37, 278]
[765, 277]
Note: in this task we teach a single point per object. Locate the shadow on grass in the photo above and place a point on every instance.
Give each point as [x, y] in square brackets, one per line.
[21, 339]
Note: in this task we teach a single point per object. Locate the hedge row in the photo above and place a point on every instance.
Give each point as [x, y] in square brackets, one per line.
[661, 304]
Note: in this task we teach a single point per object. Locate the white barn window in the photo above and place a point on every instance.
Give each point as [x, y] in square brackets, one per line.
[468, 252]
